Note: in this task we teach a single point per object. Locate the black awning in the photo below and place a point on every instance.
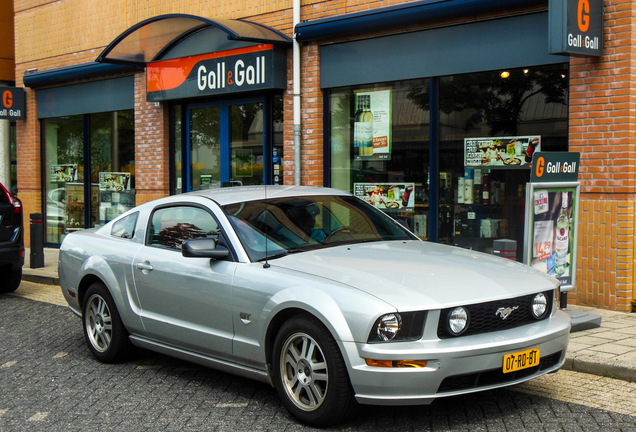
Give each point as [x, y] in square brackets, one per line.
[152, 39]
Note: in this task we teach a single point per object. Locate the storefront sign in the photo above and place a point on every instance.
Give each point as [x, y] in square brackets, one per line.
[500, 152]
[555, 167]
[551, 230]
[576, 27]
[372, 125]
[387, 196]
[13, 103]
[258, 67]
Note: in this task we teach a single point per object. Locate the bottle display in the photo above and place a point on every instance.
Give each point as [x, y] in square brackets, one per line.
[562, 238]
[363, 127]
[356, 134]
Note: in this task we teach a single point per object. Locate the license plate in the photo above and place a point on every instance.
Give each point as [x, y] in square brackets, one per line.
[521, 360]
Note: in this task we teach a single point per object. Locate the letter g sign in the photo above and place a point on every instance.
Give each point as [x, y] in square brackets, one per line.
[7, 99]
[540, 166]
[583, 15]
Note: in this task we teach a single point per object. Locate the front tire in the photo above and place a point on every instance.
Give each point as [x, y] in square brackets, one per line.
[105, 334]
[310, 374]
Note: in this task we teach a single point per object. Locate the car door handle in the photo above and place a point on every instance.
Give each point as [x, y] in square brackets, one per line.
[145, 266]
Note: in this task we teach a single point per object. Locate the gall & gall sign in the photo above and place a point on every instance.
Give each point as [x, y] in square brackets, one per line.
[258, 67]
[13, 103]
[576, 27]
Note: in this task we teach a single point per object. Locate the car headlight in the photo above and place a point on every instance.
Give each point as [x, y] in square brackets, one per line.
[458, 321]
[398, 327]
[539, 306]
[389, 326]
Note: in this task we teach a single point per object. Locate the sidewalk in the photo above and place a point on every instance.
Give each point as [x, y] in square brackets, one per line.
[607, 350]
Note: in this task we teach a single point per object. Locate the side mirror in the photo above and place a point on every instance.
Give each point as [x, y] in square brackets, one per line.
[204, 248]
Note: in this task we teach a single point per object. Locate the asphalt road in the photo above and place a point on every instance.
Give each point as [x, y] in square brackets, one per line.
[50, 382]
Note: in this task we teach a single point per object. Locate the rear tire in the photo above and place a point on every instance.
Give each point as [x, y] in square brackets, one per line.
[105, 334]
[13, 282]
[310, 374]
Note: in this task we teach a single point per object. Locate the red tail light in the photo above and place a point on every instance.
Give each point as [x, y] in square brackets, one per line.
[15, 201]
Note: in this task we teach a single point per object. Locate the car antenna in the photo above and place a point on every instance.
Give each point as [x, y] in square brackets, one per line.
[266, 265]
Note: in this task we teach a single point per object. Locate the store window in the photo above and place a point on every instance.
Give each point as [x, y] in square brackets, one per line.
[487, 120]
[105, 143]
[386, 147]
[380, 147]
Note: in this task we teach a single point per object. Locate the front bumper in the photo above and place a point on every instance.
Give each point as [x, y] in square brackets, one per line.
[456, 366]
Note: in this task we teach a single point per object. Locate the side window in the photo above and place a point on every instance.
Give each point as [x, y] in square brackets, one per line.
[171, 226]
[125, 227]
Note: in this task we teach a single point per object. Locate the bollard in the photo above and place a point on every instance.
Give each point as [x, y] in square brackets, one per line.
[37, 240]
[505, 248]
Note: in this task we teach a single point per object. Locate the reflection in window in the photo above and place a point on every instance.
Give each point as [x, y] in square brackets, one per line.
[172, 226]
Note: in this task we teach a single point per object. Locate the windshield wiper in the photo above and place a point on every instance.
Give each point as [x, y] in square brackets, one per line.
[282, 254]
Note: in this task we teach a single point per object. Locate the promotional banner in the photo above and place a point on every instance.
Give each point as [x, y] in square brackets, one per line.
[372, 125]
[64, 173]
[114, 181]
[500, 152]
[398, 196]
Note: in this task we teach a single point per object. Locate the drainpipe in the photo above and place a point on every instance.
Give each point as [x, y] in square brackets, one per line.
[296, 78]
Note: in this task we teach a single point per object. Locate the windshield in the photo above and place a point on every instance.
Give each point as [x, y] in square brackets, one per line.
[275, 227]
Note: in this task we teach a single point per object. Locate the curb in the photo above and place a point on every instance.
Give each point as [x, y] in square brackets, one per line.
[608, 370]
[40, 279]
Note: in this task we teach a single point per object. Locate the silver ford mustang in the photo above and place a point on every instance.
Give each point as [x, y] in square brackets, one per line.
[315, 292]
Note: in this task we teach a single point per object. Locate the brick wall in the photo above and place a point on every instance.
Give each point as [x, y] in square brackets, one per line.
[603, 129]
[151, 146]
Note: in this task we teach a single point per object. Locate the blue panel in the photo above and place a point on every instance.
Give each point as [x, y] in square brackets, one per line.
[481, 46]
[416, 13]
[97, 96]
[73, 73]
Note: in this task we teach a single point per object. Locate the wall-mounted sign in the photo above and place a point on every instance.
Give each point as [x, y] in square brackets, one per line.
[555, 167]
[258, 67]
[500, 152]
[576, 27]
[13, 103]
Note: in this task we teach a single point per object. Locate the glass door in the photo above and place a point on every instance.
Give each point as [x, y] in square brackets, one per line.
[204, 137]
[226, 144]
[246, 143]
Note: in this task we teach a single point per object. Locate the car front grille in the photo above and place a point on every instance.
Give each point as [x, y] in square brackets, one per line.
[483, 317]
[495, 376]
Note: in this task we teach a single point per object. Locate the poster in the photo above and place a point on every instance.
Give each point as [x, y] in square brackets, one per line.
[372, 125]
[553, 234]
[398, 196]
[502, 152]
[64, 173]
[114, 181]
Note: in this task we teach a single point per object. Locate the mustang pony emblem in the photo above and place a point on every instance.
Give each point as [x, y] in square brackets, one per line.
[505, 312]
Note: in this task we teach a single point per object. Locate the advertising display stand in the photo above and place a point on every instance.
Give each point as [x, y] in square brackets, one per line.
[551, 228]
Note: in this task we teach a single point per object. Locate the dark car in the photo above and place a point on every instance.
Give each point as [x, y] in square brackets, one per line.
[11, 241]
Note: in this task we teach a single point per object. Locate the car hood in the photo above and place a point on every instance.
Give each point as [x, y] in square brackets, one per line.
[413, 274]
